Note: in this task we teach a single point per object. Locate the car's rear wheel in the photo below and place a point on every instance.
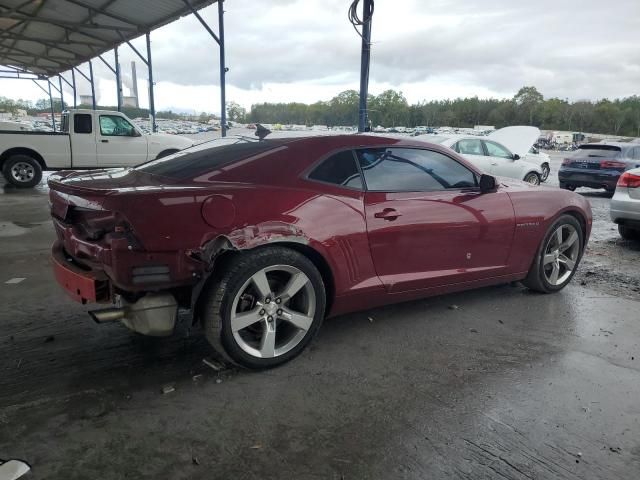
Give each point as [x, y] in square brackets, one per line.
[533, 178]
[265, 308]
[22, 171]
[566, 186]
[546, 169]
[558, 256]
[628, 233]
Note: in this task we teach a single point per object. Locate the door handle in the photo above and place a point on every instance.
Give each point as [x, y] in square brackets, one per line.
[389, 214]
[104, 141]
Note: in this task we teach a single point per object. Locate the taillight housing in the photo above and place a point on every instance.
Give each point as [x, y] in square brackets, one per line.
[611, 164]
[629, 180]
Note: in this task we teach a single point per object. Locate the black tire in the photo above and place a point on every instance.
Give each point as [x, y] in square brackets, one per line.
[546, 170]
[26, 177]
[628, 233]
[533, 178]
[166, 153]
[536, 279]
[220, 294]
[566, 186]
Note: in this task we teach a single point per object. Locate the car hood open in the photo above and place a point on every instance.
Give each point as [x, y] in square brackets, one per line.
[518, 139]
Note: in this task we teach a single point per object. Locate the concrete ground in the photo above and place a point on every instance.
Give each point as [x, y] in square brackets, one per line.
[493, 383]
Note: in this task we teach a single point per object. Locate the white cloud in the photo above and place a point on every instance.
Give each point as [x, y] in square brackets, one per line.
[305, 50]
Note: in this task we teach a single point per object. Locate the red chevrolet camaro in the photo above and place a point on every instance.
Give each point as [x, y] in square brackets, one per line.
[261, 240]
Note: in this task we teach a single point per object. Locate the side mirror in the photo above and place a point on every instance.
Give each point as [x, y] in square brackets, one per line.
[516, 156]
[487, 183]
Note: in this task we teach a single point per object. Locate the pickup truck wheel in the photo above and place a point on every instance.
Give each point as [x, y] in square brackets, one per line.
[22, 171]
[533, 178]
[558, 256]
[266, 307]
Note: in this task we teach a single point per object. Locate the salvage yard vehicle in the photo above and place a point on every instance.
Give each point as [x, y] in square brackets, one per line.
[598, 165]
[88, 139]
[625, 205]
[494, 157]
[262, 240]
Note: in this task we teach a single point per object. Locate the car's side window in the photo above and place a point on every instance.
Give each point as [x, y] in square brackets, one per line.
[496, 150]
[470, 147]
[412, 170]
[82, 123]
[113, 125]
[339, 169]
[635, 153]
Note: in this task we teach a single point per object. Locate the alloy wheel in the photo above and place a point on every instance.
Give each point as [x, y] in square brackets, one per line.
[561, 254]
[272, 311]
[22, 172]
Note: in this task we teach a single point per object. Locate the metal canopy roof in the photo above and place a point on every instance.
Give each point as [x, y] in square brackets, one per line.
[48, 37]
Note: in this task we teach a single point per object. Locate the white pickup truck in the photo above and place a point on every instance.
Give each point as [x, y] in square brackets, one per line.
[88, 139]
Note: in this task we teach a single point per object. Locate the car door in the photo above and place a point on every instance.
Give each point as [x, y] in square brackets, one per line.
[473, 151]
[83, 141]
[428, 223]
[119, 144]
[501, 160]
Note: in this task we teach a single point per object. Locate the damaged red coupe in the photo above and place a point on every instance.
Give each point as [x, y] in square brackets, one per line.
[261, 240]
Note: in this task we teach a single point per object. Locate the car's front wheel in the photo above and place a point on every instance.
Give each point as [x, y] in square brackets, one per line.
[558, 256]
[266, 307]
[533, 178]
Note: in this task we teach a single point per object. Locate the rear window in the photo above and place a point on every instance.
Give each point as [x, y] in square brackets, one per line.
[609, 151]
[201, 159]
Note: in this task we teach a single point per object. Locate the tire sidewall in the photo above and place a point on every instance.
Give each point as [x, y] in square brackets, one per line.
[546, 170]
[11, 161]
[563, 220]
[531, 174]
[280, 256]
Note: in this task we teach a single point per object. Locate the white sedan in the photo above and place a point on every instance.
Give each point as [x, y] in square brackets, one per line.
[494, 157]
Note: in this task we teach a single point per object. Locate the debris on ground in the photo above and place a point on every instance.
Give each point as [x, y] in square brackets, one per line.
[257, 446]
[615, 450]
[453, 307]
[213, 364]
[500, 321]
[168, 389]
[218, 380]
[197, 378]
[370, 319]
[195, 460]
[49, 339]
[473, 330]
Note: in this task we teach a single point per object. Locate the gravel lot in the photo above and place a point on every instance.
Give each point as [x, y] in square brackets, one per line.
[497, 382]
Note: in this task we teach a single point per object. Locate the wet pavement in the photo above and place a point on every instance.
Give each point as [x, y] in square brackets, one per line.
[509, 384]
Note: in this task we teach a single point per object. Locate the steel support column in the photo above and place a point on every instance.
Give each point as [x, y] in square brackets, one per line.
[61, 94]
[75, 96]
[53, 118]
[363, 117]
[93, 86]
[152, 107]
[223, 71]
[118, 79]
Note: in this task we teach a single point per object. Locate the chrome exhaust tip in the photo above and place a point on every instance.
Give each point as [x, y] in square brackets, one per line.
[108, 315]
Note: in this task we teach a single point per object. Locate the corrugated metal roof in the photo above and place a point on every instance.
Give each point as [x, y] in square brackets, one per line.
[51, 36]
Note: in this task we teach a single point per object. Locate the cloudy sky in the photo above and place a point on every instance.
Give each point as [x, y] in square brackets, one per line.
[306, 50]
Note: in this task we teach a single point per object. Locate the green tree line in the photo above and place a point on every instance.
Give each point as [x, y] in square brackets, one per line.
[527, 107]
